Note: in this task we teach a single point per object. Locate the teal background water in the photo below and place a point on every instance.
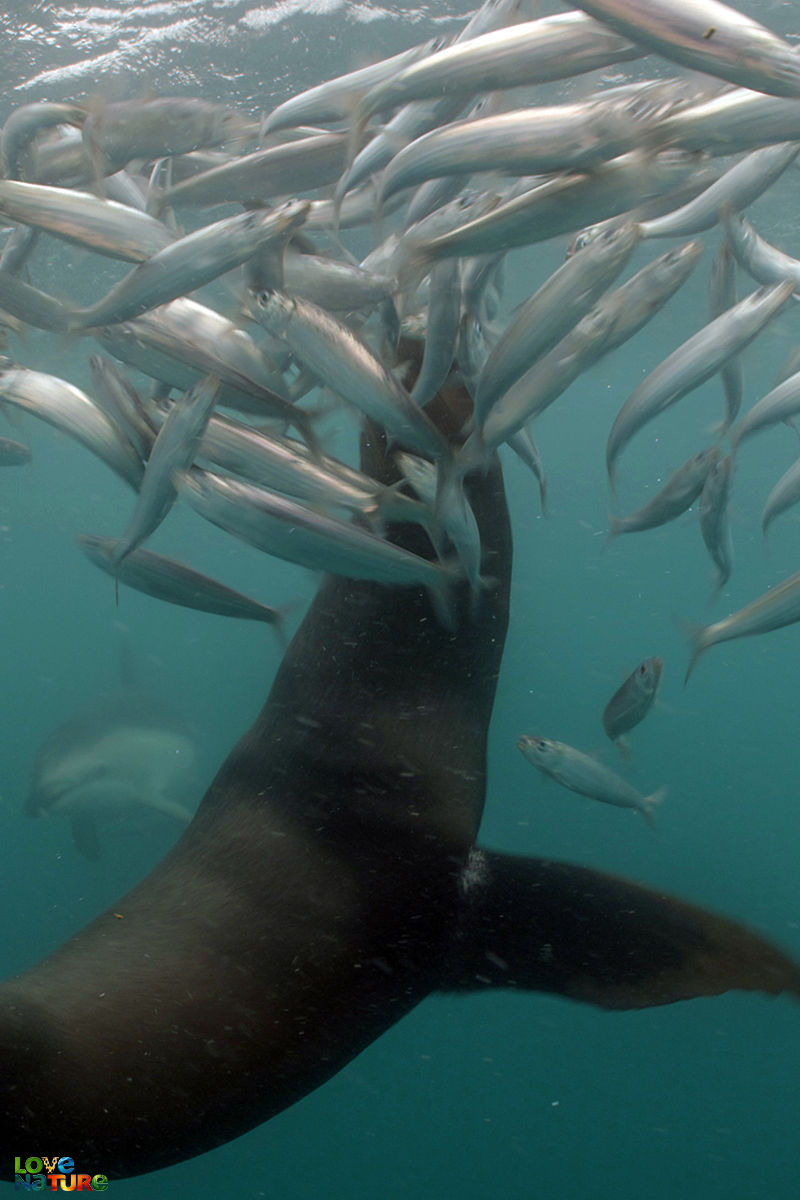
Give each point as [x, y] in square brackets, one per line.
[514, 1095]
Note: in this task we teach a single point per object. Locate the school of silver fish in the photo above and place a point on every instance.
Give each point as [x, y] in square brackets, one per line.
[373, 213]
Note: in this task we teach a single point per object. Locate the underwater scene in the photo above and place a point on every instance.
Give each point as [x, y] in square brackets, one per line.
[639, 179]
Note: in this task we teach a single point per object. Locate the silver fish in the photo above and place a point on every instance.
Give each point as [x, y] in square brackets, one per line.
[458, 520]
[334, 353]
[190, 262]
[737, 188]
[101, 225]
[336, 286]
[586, 776]
[713, 513]
[632, 701]
[692, 363]
[24, 125]
[783, 496]
[166, 579]
[257, 178]
[545, 381]
[778, 607]
[416, 118]
[707, 36]
[722, 296]
[540, 322]
[334, 100]
[284, 465]
[643, 295]
[288, 530]
[735, 120]
[173, 450]
[556, 206]
[183, 341]
[781, 404]
[678, 493]
[120, 400]
[547, 49]
[441, 334]
[763, 262]
[564, 137]
[31, 305]
[70, 410]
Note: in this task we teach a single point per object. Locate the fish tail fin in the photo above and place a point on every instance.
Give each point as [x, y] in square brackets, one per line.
[696, 637]
[483, 584]
[442, 601]
[651, 804]
[624, 749]
[543, 495]
[611, 471]
[616, 526]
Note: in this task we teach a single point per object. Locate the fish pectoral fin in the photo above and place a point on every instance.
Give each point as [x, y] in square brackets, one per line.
[84, 835]
[552, 927]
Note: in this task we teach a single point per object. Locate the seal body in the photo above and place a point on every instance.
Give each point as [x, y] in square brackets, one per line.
[308, 906]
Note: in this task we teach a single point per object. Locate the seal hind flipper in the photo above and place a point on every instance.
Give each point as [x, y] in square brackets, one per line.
[553, 927]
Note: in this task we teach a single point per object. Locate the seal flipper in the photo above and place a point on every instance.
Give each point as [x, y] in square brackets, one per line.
[552, 927]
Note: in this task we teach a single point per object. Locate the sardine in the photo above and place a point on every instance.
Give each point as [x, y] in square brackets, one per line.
[335, 99]
[781, 404]
[257, 178]
[556, 206]
[722, 296]
[707, 36]
[692, 363]
[119, 131]
[763, 262]
[737, 188]
[783, 496]
[173, 450]
[564, 137]
[540, 322]
[168, 580]
[334, 353]
[190, 262]
[70, 410]
[550, 48]
[441, 333]
[288, 530]
[678, 493]
[120, 401]
[586, 776]
[713, 513]
[778, 607]
[101, 225]
[26, 122]
[632, 701]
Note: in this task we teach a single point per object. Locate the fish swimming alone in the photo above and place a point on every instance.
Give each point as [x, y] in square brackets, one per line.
[632, 701]
[587, 776]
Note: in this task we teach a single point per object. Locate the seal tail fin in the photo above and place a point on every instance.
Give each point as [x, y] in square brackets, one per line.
[552, 927]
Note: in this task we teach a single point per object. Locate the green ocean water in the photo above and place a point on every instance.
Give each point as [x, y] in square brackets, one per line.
[501, 1095]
